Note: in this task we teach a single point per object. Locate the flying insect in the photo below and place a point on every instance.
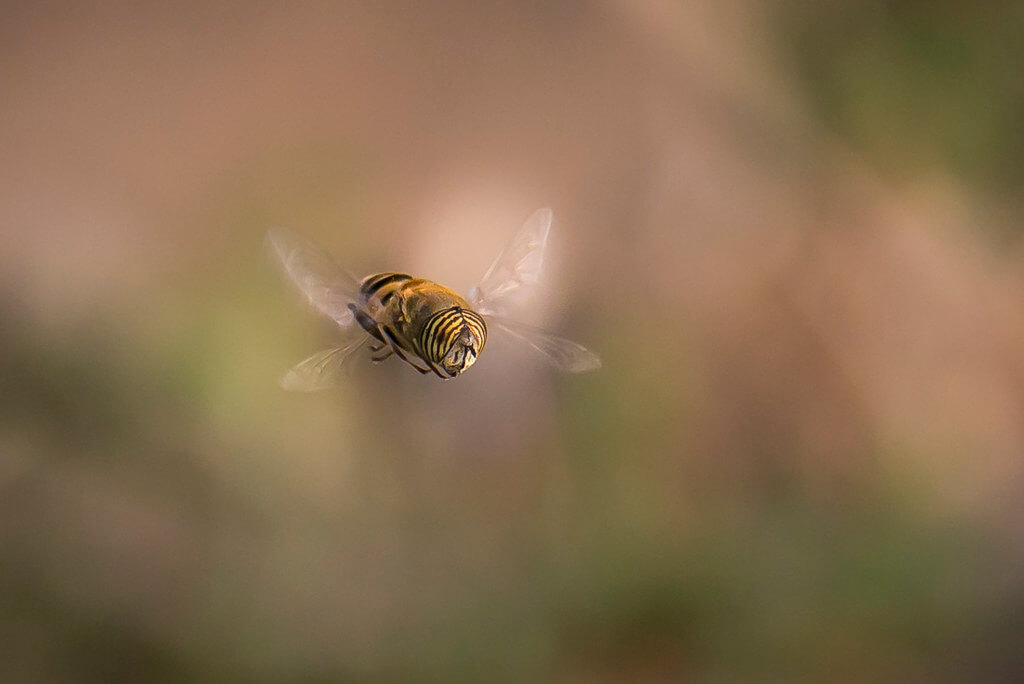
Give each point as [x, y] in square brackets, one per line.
[425, 324]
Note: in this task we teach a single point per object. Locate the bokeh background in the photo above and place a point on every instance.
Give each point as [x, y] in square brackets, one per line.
[792, 230]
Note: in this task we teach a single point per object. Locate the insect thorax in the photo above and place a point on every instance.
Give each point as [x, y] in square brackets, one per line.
[424, 317]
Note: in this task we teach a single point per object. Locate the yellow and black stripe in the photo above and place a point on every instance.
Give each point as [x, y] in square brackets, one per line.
[444, 329]
[378, 288]
[384, 286]
[418, 320]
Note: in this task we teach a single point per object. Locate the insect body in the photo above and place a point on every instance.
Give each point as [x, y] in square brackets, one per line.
[419, 318]
[427, 325]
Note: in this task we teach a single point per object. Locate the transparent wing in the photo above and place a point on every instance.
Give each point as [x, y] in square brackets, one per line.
[517, 268]
[320, 371]
[327, 286]
[563, 354]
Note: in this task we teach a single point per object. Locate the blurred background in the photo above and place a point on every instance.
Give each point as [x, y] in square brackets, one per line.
[791, 229]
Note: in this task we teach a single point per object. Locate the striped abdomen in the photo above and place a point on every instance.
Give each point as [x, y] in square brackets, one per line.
[452, 339]
[419, 318]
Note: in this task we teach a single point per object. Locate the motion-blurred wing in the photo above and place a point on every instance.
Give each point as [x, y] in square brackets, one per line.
[517, 268]
[319, 371]
[563, 354]
[327, 286]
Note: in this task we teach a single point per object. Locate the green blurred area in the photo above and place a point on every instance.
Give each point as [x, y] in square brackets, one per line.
[165, 519]
[937, 79]
[737, 495]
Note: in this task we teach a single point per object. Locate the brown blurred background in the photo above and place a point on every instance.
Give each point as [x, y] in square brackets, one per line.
[791, 229]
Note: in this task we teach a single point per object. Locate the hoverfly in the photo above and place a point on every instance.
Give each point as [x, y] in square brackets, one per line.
[427, 325]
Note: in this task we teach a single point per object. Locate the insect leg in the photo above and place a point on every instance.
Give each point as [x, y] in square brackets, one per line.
[437, 371]
[367, 323]
[398, 350]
